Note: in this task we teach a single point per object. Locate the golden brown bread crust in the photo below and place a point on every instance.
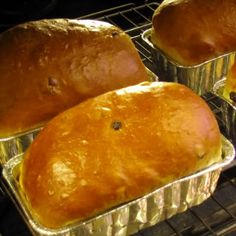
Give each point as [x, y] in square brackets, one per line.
[47, 66]
[194, 31]
[117, 147]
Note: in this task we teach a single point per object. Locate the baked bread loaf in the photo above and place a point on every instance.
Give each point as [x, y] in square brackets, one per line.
[47, 66]
[117, 147]
[229, 90]
[194, 31]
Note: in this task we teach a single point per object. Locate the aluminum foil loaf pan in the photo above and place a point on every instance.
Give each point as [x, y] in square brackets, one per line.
[16, 144]
[135, 215]
[13, 145]
[228, 110]
[200, 78]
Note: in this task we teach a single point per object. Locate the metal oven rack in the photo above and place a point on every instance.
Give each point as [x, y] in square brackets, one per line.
[217, 215]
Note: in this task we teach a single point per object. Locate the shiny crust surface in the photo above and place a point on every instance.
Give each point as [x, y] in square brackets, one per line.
[47, 66]
[117, 147]
[193, 31]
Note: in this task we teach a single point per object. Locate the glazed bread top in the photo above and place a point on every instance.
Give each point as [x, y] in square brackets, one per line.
[117, 147]
[47, 66]
[191, 32]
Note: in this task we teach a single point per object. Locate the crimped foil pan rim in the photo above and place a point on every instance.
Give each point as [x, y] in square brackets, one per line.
[228, 150]
[146, 38]
[19, 134]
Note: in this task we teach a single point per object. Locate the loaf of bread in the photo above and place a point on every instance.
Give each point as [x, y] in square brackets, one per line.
[229, 90]
[47, 66]
[194, 31]
[117, 147]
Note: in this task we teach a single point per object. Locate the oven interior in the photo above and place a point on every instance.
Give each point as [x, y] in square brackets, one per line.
[217, 215]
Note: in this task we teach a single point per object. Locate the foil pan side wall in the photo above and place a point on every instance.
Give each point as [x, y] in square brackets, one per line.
[12, 146]
[200, 79]
[129, 218]
[152, 77]
[229, 115]
[228, 111]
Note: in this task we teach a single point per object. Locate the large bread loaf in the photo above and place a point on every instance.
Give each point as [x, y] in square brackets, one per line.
[47, 66]
[193, 31]
[115, 148]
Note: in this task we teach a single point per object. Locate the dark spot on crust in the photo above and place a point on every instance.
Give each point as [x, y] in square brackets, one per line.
[114, 34]
[52, 82]
[116, 125]
[232, 96]
[52, 85]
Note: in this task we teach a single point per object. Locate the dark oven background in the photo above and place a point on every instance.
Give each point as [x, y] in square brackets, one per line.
[16, 11]
[217, 215]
